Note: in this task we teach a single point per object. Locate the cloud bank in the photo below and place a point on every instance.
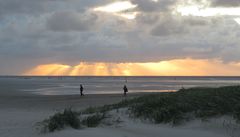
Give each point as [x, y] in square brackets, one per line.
[34, 32]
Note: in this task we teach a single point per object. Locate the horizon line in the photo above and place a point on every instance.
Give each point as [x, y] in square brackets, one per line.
[115, 76]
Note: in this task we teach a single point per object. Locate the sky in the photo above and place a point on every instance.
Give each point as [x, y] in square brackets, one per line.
[120, 37]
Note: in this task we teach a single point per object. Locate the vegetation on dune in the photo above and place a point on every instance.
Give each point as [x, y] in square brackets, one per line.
[70, 118]
[174, 108]
[93, 120]
[60, 120]
[106, 108]
[186, 103]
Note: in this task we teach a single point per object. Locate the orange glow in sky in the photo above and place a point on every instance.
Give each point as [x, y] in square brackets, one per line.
[178, 67]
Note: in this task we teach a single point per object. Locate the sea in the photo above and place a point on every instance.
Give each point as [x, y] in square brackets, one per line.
[69, 85]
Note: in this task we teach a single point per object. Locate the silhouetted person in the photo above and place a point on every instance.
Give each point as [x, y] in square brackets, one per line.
[81, 90]
[125, 90]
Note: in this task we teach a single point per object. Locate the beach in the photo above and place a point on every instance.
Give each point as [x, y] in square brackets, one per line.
[119, 68]
[20, 112]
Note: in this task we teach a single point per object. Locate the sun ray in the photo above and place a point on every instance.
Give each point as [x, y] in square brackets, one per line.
[178, 67]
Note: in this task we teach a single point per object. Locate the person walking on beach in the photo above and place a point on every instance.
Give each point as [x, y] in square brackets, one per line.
[81, 90]
[125, 90]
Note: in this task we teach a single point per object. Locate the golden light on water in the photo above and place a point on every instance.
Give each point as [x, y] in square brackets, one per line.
[179, 67]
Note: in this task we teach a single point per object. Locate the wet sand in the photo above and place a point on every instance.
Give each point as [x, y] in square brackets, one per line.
[54, 102]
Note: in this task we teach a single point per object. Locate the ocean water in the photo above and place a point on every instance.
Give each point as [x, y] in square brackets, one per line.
[105, 85]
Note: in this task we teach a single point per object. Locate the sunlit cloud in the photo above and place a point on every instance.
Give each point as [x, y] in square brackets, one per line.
[196, 10]
[203, 10]
[116, 7]
[178, 67]
[121, 9]
[237, 20]
[129, 16]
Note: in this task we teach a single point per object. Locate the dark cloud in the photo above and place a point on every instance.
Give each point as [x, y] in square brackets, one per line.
[168, 25]
[39, 7]
[167, 29]
[195, 21]
[11, 7]
[147, 18]
[71, 21]
[225, 3]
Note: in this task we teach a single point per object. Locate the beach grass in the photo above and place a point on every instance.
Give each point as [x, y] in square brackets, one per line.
[93, 120]
[60, 120]
[171, 107]
[185, 104]
[70, 118]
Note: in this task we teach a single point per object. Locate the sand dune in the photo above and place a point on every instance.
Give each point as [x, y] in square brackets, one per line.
[19, 114]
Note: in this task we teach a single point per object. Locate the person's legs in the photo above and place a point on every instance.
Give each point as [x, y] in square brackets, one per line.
[82, 94]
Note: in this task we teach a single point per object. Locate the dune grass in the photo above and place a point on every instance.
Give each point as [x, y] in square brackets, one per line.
[173, 108]
[70, 118]
[60, 120]
[93, 120]
[190, 103]
[106, 108]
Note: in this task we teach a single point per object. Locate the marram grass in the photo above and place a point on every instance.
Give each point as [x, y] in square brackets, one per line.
[173, 108]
